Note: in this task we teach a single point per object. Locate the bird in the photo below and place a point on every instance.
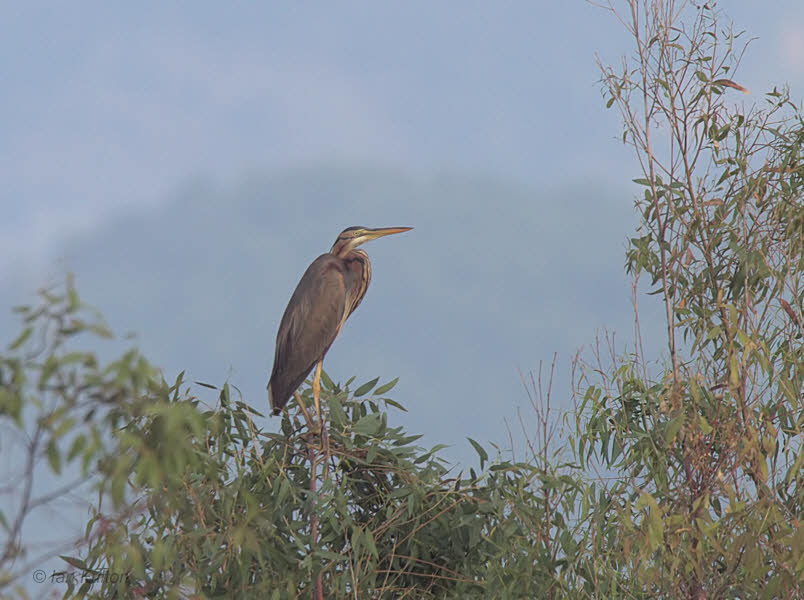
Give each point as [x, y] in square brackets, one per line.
[330, 290]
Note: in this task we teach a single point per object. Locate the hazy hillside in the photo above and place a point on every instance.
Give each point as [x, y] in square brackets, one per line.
[492, 279]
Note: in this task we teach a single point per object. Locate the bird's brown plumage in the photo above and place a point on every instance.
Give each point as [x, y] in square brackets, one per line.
[329, 291]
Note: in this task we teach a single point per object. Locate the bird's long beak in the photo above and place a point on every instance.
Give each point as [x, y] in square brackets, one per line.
[373, 234]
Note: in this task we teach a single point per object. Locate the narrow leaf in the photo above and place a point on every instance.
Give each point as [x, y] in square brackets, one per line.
[480, 452]
[387, 387]
[26, 333]
[366, 387]
[74, 562]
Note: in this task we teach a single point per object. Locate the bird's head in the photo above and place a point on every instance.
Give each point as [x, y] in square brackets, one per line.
[352, 237]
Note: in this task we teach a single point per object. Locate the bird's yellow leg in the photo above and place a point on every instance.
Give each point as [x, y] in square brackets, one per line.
[317, 393]
[322, 426]
[300, 402]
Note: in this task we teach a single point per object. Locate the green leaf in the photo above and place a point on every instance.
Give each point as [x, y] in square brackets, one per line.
[357, 545]
[63, 427]
[672, 428]
[20, 340]
[326, 381]
[74, 562]
[795, 470]
[370, 545]
[50, 366]
[100, 330]
[480, 452]
[395, 404]
[53, 457]
[368, 425]
[77, 446]
[430, 453]
[206, 385]
[366, 387]
[73, 302]
[655, 529]
[404, 441]
[10, 404]
[387, 387]
[336, 412]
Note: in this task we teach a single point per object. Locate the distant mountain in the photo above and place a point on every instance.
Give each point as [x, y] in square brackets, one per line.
[494, 278]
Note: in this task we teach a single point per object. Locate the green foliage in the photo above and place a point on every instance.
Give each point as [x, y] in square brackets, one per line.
[199, 501]
[709, 492]
[58, 404]
[230, 511]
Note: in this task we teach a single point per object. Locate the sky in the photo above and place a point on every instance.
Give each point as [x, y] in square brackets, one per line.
[110, 110]
[115, 106]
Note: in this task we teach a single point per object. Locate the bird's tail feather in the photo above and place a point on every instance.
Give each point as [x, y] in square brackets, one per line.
[274, 409]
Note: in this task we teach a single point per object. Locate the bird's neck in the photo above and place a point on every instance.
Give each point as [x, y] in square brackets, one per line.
[358, 268]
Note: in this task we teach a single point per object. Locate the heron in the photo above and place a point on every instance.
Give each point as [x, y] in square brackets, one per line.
[330, 290]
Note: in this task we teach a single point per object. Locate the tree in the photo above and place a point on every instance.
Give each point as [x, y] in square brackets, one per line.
[58, 404]
[707, 501]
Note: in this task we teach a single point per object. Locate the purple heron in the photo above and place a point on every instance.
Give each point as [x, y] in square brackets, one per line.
[328, 292]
